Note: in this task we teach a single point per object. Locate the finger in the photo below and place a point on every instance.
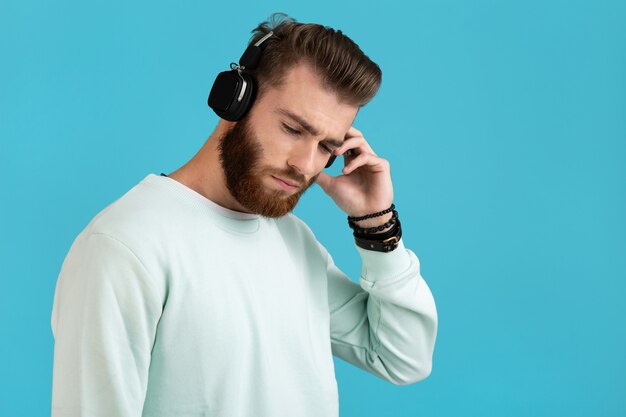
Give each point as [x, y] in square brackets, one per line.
[360, 160]
[352, 132]
[324, 180]
[358, 144]
[374, 163]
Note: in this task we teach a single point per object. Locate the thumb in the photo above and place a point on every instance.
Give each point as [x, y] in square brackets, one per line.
[324, 180]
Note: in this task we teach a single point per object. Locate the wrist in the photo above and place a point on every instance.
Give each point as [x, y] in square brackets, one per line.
[374, 222]
[382, 242]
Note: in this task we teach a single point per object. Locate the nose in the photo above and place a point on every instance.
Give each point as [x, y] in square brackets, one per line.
[305, 160]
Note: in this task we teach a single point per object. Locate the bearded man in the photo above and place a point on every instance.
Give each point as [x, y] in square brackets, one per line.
[200, 293]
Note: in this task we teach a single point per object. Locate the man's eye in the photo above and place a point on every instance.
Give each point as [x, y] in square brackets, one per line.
[290, 130]
[293, 131]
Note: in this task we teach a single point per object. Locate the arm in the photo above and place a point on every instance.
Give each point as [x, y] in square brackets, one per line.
[387, 325]
[104, 321]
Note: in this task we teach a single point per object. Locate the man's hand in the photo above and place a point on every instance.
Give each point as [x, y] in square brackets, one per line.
[365, 186]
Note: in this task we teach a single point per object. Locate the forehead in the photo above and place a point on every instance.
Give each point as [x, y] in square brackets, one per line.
[303, 94]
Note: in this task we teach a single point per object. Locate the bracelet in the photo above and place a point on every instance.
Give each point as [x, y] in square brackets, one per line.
[386, 245]
[374, 229]
[378, 236]
[369, 216]
[368, 238]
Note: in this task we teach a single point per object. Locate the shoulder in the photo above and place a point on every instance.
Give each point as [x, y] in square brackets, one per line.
[136, 212]
[142, 220]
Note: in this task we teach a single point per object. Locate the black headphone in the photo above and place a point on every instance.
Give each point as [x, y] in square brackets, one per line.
[234, 91]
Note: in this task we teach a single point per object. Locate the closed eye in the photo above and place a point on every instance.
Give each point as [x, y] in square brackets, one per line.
[326, 149]
[293, 131]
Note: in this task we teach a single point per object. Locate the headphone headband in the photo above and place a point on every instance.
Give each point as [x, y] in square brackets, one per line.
[252, 55]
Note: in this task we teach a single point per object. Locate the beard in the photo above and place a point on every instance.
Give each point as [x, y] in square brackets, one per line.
[241, 158]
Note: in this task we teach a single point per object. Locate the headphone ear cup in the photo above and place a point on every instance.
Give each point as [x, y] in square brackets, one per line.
[248, 97]
[226, 97]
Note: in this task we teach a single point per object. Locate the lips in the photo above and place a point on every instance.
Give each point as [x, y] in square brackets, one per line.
[287, 182]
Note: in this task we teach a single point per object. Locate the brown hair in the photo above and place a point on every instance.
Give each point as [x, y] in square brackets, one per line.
[343, 68]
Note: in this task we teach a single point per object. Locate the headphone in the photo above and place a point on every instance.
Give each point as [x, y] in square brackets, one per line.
[234, 91]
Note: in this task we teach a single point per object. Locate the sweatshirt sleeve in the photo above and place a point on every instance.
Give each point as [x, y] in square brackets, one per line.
[104, 320]
[387, 325]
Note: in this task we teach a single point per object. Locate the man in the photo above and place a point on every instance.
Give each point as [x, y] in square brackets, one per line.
[201, 294]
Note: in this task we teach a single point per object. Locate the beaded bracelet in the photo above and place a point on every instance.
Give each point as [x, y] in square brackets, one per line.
[374, 229]
[369, 216]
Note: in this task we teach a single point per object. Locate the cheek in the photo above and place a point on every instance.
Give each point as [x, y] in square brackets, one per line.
[276, 148]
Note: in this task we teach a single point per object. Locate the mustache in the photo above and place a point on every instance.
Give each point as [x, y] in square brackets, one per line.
[297, 180]
[292, 176]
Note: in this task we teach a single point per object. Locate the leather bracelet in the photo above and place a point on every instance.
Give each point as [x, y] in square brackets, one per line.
[385, 245]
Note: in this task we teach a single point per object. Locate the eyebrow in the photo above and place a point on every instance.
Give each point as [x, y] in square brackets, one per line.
[306, 126]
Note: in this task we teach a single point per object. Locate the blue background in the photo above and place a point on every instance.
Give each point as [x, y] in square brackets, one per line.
[505, 127]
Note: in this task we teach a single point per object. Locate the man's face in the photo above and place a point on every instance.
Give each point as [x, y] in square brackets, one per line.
[264, 145]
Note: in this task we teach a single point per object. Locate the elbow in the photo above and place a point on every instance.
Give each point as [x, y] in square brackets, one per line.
[416, 368]
[413, 374]
[410, 369]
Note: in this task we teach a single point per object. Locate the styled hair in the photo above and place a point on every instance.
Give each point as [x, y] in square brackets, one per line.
[339, 62]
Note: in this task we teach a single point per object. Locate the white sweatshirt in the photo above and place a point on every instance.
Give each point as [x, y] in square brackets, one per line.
[168, 304]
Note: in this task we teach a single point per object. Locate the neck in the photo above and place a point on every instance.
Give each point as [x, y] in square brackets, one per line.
[203, 173]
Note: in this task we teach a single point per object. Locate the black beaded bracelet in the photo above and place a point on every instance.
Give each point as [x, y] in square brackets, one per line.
[374, 229]
[369, 216]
